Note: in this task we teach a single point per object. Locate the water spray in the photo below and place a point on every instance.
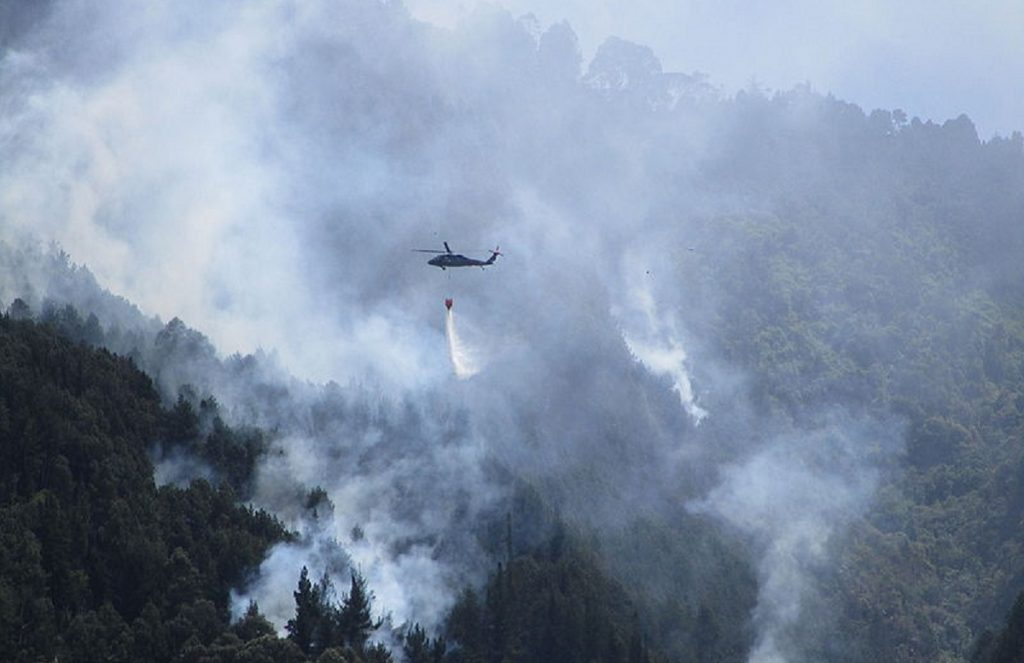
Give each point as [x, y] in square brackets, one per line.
[461, 357]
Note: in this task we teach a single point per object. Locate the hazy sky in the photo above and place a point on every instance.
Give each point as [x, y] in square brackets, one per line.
[935, 59]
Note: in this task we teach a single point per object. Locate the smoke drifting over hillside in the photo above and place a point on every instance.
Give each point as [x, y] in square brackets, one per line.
[793, 498]
[261, 170]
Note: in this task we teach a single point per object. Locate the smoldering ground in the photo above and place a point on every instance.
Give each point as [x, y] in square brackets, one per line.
[263, 170]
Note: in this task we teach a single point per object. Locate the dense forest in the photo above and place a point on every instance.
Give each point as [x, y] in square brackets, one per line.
[101, 564]
[942, 540]
[98, 562]
[889, 281]
[752, 371]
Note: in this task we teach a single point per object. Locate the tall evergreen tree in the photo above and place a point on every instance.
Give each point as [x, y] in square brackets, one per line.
[327, 630]
[355, 620]
[419, 648]
[302, 628]
[253, 624]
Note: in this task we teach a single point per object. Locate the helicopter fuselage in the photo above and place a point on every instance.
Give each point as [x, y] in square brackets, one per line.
[446, 260]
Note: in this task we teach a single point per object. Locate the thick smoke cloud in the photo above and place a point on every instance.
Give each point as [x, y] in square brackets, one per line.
[262, 170]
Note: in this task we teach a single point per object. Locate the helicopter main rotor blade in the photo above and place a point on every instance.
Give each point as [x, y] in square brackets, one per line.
[426, 251]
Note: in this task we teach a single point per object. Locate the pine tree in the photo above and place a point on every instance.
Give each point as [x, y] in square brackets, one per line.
[252, 625]
[182, 421]
[378, 653]
[302, 628]
[419, 648]
[466, 627]
[327, 631]
[354, 620]
[416, 645]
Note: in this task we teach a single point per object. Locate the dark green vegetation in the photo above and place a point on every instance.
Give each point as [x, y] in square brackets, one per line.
[96, 562]
[552, 606]
[885, 274]
[869, 265]
[99, 564]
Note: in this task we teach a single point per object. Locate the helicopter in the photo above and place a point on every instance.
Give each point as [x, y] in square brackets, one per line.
[447, 259]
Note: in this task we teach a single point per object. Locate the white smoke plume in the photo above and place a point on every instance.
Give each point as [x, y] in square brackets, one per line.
[262, 169]
[794, 498]
[651, 332]
[272, 589]
[401, 494]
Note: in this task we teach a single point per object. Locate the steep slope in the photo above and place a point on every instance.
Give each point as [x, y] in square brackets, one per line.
[96, 560]
[833, 294]
[882, 275]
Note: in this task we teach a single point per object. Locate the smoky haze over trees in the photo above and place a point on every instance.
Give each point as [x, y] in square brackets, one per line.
[758, 359]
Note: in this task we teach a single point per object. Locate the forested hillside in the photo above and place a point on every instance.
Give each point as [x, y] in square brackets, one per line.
[895, 295]
[895, 316]
[101, 564]
[884, 275]
[98, 563]
[749, 382]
